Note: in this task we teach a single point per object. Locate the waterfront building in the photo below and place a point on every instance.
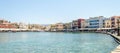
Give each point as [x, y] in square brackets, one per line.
[47, 28]
[53, 27]
[22, 26]
[59, 26]
[36, 27]
[114, 21]
[68, 26]
[81, 23]
[6, 24]
[96, 22]
[86, 23]
[107, 23]
[75, 24]
[16, 25]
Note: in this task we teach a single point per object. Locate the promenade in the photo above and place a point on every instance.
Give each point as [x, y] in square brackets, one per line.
[117, 49]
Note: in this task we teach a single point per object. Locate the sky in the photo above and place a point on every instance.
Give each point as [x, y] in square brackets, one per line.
[55, 11]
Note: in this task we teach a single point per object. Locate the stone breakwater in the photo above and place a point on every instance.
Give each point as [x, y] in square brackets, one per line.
[117, 38]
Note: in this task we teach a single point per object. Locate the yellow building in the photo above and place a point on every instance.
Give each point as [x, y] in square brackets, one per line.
[107, 23]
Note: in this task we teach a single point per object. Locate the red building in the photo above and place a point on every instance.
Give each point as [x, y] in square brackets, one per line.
[79, 22]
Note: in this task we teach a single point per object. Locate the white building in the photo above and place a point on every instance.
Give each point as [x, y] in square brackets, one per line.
[85, 23]
[96, 22]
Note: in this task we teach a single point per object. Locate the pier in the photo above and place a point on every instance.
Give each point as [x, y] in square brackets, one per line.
[117, 49]
[117, 39]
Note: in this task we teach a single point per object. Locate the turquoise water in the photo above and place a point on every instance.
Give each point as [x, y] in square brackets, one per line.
[60, 42]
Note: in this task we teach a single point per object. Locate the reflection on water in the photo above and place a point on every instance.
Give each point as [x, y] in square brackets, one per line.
[49, 42]
[7, 37]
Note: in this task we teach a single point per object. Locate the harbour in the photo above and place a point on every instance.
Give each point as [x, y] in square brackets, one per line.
[56, 42]
[59, 26]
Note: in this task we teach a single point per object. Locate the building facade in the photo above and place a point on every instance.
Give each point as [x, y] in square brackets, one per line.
[59, 26]
[107, 23]
[6, 24]
[47, 28]
[86, 23]
[114, 21]
[96, 22]
[23, 26]
[80, 25]
[68, 26]
[83, 24]
[75, 24]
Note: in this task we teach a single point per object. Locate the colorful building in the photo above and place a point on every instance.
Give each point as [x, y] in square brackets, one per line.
[81, 25]
[75, 24]
[107, 23]
[47, 28]
[5, 24]
[68, 26]
[96, 22]
[114, 21]
[84, 24]
[53, 27]
[33, 26]
[59, 26]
